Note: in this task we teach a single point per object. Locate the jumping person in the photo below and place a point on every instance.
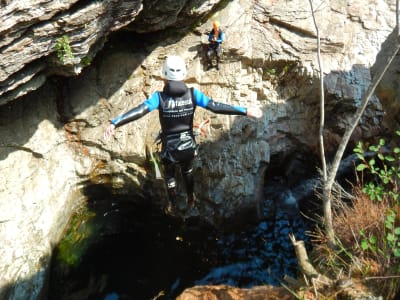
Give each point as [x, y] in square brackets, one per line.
[176, 105]
[215, 39]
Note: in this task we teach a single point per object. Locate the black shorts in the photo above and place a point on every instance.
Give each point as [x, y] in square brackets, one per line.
[180, 147]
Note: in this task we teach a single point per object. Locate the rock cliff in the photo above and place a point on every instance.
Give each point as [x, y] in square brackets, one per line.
[61, 79]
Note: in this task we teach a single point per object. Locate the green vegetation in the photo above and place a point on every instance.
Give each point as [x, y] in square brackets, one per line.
[75, 242]
[86, 60]
[278, 71]
[63, 48]
[386, 171]
[382, 187]
[366, 226]
[271, 71]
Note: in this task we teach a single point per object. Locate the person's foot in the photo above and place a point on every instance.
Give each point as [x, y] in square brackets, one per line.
[170, 209]
[217, 67]
[191, 201]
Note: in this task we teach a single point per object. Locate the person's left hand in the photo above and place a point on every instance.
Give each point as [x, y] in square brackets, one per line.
[254, 112]
[109, 132]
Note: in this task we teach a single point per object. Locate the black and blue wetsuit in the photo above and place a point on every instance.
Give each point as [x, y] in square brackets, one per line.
[176, 105]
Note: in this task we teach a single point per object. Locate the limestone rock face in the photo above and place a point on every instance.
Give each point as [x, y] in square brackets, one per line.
[42, 38]
[32, 45]
[177, 14]
[51, 130]
[388, 90]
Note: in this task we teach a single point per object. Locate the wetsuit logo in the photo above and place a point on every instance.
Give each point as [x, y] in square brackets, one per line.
[177, 105]
[170, 104]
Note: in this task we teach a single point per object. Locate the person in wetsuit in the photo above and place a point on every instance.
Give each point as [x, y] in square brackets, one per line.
[176, 105]
[215, 39]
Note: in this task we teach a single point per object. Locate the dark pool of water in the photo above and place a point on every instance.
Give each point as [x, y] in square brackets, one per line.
[140, 253]
[161, 256]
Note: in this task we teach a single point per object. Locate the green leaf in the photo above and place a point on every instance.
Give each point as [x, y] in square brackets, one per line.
[395, 196]
[371, 185]
[390, 237]
[388, 225]
[381, 142]
[396, 252]
[373, 148]
[389, 158]
[397, 230]
[364, 245]
[373, 240]
[361, 167]
[360, 156]
[359, 148]
[390, 218]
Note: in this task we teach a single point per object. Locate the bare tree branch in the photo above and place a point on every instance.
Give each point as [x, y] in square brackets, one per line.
[356, 118]
[397, 18]
[329, 175]
[322, 96]
[304, 262]
[327, 205]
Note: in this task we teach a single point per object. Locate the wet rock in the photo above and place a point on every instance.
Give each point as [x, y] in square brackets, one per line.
[227, 292]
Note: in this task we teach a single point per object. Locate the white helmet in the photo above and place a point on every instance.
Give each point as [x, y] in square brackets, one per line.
[174, 68]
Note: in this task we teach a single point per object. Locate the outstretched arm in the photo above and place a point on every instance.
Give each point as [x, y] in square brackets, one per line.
[147, 106]
[132, 115]
[225, 109]
[127, 117]
[222, 108]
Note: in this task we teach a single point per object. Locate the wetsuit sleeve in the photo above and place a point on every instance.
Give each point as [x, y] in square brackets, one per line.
[153, 102]
[137, 112]
[217, 107]
[131, 115]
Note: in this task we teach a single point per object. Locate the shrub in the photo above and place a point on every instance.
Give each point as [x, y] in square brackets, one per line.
[63, 48]
[377, 239]
[367, 226]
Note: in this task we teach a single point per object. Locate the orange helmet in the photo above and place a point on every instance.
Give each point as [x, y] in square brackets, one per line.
[216, 24]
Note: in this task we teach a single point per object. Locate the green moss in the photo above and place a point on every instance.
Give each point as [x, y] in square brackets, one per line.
[63, 48]
[77, 238]
[86, 60]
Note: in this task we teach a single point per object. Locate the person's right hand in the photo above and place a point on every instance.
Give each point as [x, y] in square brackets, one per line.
[109, 132]
[254, 112]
